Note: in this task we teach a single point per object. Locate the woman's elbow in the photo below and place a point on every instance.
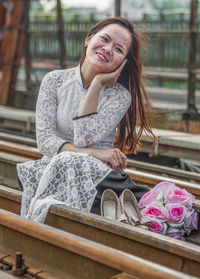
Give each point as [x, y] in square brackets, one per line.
[80, 142]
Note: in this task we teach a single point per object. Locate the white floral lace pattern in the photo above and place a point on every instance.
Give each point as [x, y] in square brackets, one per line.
[92, 129]
[68, 178]
[48, 138]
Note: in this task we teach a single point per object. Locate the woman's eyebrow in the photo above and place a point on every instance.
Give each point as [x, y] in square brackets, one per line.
[117, 43]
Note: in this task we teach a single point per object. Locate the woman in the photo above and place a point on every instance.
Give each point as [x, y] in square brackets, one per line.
[77, 113]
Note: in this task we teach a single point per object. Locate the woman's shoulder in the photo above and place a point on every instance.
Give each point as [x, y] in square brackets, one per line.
[58, 77]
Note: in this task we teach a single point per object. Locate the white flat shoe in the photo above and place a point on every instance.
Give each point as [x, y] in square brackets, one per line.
[110, 206]
[131, 210]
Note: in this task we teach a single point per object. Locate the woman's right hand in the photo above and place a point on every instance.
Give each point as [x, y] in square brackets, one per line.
[113, 157]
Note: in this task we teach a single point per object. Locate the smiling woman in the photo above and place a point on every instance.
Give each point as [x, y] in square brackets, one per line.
[86, 119]
[110, 45]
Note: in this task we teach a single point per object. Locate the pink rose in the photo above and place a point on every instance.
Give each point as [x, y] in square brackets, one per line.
[155, 210]
[179, 196]
[188, 220]
[156, 194]
[163, 186]
[148, 198]
[194, 223]
[175, 233]
[176, 213]
[191, 221]
[158, 226]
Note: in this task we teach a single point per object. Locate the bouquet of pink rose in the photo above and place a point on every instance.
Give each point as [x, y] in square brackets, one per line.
[170, 211]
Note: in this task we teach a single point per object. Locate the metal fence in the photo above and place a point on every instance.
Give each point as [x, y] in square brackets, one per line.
[167, 47]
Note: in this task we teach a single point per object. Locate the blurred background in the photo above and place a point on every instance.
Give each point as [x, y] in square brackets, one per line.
[38, 36]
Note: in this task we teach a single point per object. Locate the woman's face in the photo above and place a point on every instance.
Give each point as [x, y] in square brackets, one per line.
[107, 49]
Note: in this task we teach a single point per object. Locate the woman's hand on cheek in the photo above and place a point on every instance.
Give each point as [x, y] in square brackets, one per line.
[110, 78]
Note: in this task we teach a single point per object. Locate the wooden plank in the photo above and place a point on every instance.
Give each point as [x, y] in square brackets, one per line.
[70, 256]
[139, 177]
[8, 51]
[18, 139]
[158, 248]
[167, 73]
[170, 99]
[151, 180]
[10, 199]
[138, 165]
[166, 171]
[24, 115]
[172, 144]
[20, 149]
[17, 118]
[175, 138]
[170, 151]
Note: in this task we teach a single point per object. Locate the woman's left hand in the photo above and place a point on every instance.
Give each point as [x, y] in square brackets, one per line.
[110, 78]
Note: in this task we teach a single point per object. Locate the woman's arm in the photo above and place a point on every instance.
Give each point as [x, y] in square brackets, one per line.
[113, 157]
[48, 140]
[90, 102]
[90, 126]
[93, 128]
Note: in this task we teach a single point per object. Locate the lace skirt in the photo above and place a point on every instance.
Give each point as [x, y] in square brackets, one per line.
[73, 179]
[68, 178]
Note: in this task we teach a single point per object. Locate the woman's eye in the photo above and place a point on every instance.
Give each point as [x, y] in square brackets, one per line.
[119, 49]
[105, 39]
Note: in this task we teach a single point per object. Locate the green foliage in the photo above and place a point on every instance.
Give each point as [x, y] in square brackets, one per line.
[37, 10]
[36, 7]
[168, 4]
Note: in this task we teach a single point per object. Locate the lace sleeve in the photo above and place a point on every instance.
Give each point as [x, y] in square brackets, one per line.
[48, 140]
[92, 128]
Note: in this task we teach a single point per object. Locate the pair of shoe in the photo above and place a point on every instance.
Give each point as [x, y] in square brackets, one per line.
[124, 209]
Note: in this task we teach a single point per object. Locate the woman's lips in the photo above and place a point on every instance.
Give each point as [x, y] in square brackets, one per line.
[102, 57]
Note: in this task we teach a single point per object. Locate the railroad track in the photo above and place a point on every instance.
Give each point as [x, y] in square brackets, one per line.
[132, 164]
[95, 238]
[52, 253]
[12, 153]
[164, 170]
[168, 252]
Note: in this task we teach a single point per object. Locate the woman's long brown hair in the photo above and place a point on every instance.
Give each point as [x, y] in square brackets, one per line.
[136, 119]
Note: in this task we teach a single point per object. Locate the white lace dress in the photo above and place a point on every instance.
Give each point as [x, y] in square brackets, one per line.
[69, 178]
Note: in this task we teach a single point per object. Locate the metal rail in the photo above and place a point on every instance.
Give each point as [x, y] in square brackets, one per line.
[65, 255]
[163, 170]
[22, 152]
[132, 164]
[145, 244]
